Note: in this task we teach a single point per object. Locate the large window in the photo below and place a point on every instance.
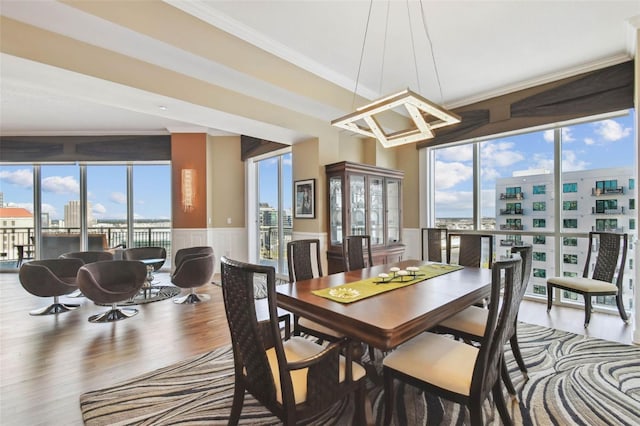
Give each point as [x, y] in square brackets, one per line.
[595, 162]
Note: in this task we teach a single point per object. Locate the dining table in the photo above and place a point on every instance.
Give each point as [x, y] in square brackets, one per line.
[392, 317]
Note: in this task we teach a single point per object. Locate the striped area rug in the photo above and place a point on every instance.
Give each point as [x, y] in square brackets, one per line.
[572, 380]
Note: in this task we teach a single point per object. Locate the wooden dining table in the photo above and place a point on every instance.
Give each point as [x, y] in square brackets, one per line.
[391, 318]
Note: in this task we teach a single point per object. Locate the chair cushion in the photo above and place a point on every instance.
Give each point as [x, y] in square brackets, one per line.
[436, 359]
[298, 348]
[311, 325]
[471, 321]
[584, 284]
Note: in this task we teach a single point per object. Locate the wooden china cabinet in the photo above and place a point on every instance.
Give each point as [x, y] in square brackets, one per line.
[364, 200]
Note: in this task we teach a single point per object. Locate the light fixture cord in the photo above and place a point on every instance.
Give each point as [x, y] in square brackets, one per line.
[364, 40]
[433, 58]
[384, 49]
[413, 46]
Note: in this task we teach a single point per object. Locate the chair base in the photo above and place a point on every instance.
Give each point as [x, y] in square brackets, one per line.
[56, 308]
[192, 298]
[111, 315]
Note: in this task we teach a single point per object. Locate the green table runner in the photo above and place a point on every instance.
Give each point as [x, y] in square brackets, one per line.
[358, 290]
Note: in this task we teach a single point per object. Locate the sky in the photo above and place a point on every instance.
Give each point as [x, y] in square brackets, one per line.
[605, 143]
[594, 145]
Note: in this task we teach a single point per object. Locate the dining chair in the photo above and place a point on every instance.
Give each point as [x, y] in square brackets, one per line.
[470, 323]
[474, 250]
[457, 371]
[303, 263]
[610, 250]
[295, 378]
[356, 252]
[436, 244]
[51, 278]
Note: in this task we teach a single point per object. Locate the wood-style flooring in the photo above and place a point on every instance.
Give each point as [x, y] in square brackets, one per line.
[46, 362]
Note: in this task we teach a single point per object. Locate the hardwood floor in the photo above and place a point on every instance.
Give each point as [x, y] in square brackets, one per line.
[47, 362]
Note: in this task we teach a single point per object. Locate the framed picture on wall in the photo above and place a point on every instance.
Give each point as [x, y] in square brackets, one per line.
[305, 199]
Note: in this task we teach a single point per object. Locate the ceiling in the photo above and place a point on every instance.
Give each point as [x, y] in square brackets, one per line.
[298, 58]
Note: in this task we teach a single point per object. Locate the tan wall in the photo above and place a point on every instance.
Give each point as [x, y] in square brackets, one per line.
[188, 151]
[407, 160]
[226, 189]
[306, 165]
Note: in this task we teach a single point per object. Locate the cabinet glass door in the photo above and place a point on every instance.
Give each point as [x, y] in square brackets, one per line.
[376, 211]
[358, 208]
[335, 209]
[393, 211]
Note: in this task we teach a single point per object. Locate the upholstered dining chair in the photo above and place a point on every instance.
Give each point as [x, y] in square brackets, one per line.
[470, 323]
[356, 252]
[146, 253]
[88, 256]
[50, 278]
[457, 371]
[194, 270]
[610, 250]
[436, 243]
[296, 379]
[303, 263]
[110, 282]
[474, 250]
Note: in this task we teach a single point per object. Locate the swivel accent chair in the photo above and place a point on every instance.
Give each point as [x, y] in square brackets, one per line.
[50, 277]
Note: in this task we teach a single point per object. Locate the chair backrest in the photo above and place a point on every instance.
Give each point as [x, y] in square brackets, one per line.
[611, 251]
[436, 243]
[247, 335]
[356, 252]
[303, 259]
[49, 277]
[189, 251]
[500, 324]
[140, 253]
[107, 281]
[473, 250]
[194, 270]
[526, 254]
[88, 256]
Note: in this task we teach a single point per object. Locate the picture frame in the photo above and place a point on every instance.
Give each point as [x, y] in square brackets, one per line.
[304, 206]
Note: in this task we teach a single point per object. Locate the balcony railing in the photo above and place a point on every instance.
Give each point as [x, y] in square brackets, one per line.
[145, 236]
[619, 210]
[607, 191]
[512, 196]
[607, 229]
[511, 227]
[511, 211]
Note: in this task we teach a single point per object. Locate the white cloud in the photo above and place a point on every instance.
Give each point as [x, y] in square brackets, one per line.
[118, 198]
[448, 175]
[611, 130]
[548, 135]
[570, 162]
[22, 177]
[566, 135]
[489, 174]
[453, 203]
[60, 185]
[49, 208]
[456, 153]
[499, 154]
[98, 209]
[589, 141]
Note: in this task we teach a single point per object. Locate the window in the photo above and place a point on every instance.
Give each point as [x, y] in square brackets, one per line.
[539, 273]
[570, 259]
[540, 289]
[453, 187]
[569, 187]
[539, 239]
[632, 183]
[540, 256]
[607, 186]
[514, 208]
[569, 274]
[539, 189]
[570, 241]
[539, 206]
[514, 191]
[603, 206]
[569, 205]
[570, 223]
[632, 224]
[606, 224]
[632, 203]
[539, 223]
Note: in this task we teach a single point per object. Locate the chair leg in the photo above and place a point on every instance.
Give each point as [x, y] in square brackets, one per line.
[55, 308]
[192, 297]
[475, 413]
[620, 303]
[388, 396]
[501, 404]
[587, 310]
[238, 402]
[359, 413]
[515, 349]
[113, 314]
[507, 380]
[549, 297]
